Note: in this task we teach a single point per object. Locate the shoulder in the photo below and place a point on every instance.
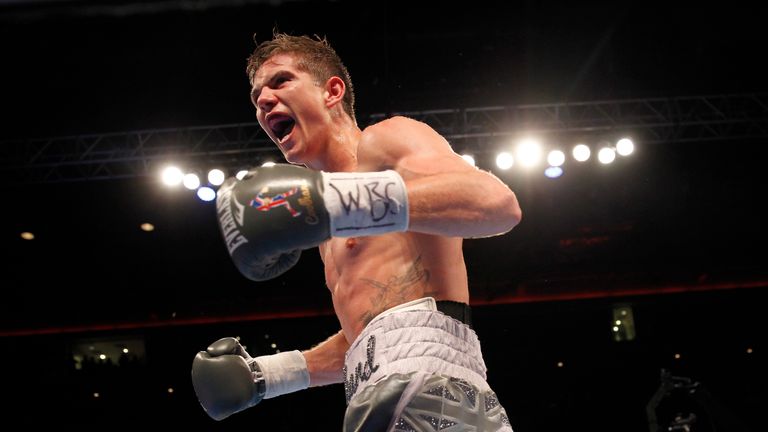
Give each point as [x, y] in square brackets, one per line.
[389, 140]
[399, 127]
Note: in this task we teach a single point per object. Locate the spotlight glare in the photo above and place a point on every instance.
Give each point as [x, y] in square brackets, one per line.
[625, 147]
[191, 181]
[216, 177]
[505, 160]
[470, 160]
[553, 172]
[555, 158]
[606, 155]
[581, 152]
[206, 194]
[172, 176]
[529, 152]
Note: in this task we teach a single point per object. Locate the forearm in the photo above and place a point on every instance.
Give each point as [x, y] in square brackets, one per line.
[461, 204]
[326, 361]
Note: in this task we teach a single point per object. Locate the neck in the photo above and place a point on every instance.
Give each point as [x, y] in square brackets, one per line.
[340, 152]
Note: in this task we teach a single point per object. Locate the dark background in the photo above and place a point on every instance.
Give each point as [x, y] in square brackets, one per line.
[676, 232]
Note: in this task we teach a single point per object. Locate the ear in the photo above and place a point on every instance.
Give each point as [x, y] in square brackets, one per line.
[334, 91]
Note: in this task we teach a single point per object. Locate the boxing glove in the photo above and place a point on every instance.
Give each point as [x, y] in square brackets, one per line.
[275, 212]
[228, 380]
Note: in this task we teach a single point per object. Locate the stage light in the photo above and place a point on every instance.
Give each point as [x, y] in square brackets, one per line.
[625, 147]
[216, 177]
[606, 155]
[581, 152]
[191, 181]
[553, 172]
[505, 160]
[172, 176]
[206, 194]
[470, 160]
[268, 164]
[529, 152]
[240, 174]
[556, 158]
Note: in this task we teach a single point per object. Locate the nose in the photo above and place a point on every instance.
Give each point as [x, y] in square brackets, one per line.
[266, 100]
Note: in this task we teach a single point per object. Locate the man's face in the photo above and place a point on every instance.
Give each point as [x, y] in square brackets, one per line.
[288, 104]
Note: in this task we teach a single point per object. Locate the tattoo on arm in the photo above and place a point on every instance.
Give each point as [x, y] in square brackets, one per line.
[397, 289]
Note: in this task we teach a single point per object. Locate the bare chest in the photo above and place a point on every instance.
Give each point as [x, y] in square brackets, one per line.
[338, 254]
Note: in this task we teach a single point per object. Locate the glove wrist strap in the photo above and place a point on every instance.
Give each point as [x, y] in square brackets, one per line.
[285, 372]
[365, 203]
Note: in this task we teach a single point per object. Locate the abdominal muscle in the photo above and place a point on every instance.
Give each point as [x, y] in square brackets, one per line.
[368, 275]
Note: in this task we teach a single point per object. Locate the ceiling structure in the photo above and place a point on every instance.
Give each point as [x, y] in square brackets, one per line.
[476, 130]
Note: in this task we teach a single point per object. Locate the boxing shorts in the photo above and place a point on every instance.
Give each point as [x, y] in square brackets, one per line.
[414, 368]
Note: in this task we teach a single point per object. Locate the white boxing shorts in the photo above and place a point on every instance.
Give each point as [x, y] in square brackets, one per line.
[414, 368]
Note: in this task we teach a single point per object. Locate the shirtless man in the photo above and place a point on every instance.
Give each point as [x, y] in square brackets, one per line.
[388, 207]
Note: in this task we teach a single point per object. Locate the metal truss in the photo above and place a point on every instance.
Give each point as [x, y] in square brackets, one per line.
[477, 130]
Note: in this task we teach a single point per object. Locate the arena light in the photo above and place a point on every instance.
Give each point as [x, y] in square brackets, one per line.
[529, 152]
[625, 147]
[216, 177]
[268, 164]
[581, 152]
[623, 324]
[191, 181]
[553, 172]
[240, 174]
[206, 194]
[505, 160]
[556, 158]
[606, 155]
[469, 158]
[172, 176]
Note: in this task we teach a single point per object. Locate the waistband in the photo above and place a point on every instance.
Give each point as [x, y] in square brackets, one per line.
[457, 310]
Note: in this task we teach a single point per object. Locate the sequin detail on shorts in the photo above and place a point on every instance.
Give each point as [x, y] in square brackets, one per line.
[452, 405]
[404, 426]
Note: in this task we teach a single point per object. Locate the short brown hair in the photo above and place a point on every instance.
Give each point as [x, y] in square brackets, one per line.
[315, 56]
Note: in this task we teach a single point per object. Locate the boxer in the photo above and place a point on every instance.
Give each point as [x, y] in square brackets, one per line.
[388, 207]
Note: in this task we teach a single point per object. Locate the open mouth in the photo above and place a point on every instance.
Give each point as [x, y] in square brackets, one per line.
[281, 126]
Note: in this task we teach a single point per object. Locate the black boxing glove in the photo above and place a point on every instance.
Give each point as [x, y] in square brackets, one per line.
[228, 380]
[275, 212]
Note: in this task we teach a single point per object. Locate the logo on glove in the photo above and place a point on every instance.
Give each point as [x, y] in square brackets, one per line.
[265, 203]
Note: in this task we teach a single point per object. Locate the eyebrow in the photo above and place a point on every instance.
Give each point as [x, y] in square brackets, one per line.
[257, 90]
